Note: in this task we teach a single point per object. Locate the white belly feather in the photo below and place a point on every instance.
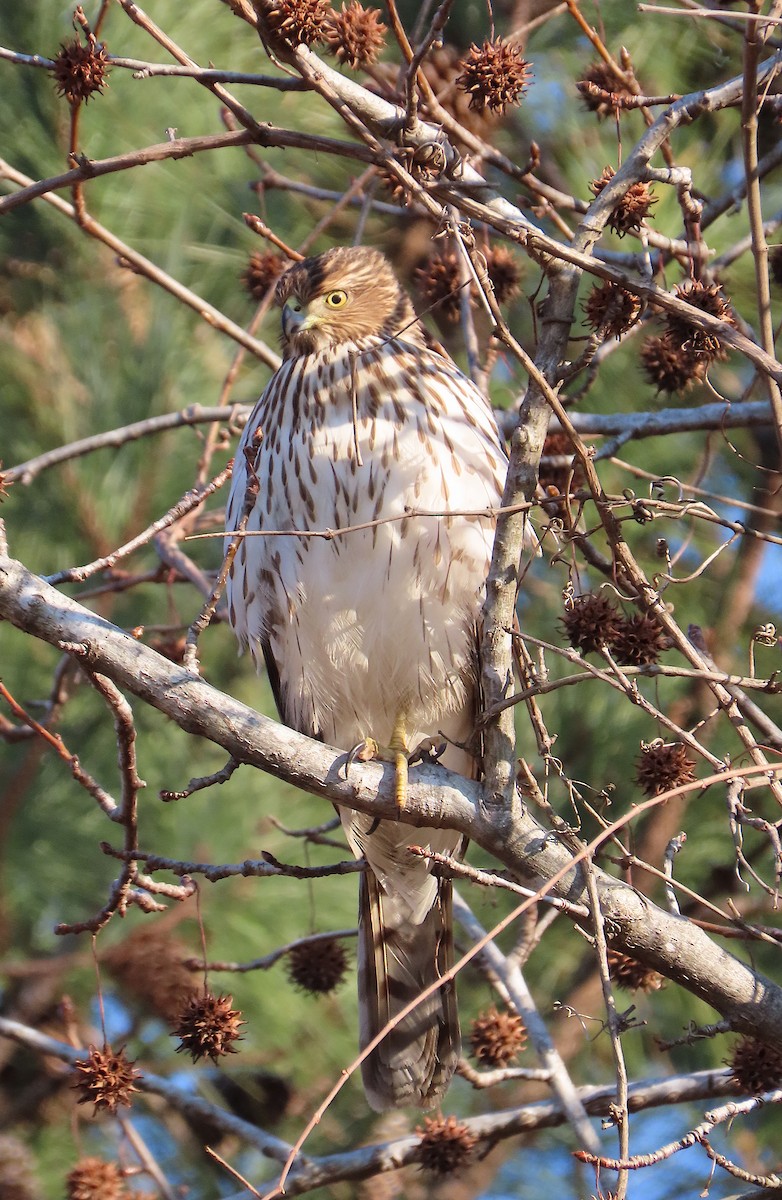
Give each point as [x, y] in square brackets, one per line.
[378, 619]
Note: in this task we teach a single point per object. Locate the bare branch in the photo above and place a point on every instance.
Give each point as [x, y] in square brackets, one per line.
[371, 1160]
[143, 266]
[437, 797]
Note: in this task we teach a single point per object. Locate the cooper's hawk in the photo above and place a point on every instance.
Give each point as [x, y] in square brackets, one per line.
[369, 430]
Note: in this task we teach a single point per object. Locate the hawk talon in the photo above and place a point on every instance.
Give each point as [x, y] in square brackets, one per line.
[396, 754]
[365, 751]
[430, 750]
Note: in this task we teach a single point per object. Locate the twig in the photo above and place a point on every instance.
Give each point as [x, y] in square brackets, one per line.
[695, 1033]
[122, 892]
[140, 18]
[206, 781]
[749, 141]
[234, 416]
[143, 266]
[149, 1163]
[521, 998]
[148, 70]
[54, 740]
[699, 1135]
[269, 960]
[433, 35]
[246, 1185]
[620, 1112]
[88, 169]
[267, 867]
[189, 503]
[452, 867]
[710, 14]
[487, 1079]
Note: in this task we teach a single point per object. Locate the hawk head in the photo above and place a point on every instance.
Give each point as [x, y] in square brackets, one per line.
[347, 293]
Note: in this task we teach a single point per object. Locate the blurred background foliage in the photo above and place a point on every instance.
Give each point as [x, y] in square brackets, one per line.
[86, 345]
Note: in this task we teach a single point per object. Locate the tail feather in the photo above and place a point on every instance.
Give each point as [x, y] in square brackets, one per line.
[398, 959]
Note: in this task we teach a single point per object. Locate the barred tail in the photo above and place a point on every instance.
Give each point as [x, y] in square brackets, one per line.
[397, 960]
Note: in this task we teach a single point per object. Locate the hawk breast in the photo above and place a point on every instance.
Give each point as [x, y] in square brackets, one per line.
[374, 445]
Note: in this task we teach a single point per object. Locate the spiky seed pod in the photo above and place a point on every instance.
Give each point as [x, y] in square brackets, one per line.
[425, 163]
[557, 479]
[263, 270]
[611, 310]
[630, 974]
[709, 298]
[394, 186]
[105, 1079]
[149, 968]
[446, 1145]
[756, 1066]
[94, 1179]
[669, 366]
[590, 621]
[632, 210]
[80, 70]
[17, 1171]
[442, 68]
[497, 1037]
[5, 484]
[439, 279]
[439, 284]
[504, 273]
[662, 766]
[602, 75]
[356, 35]
[638, 640]
[293, 22]
[208, 1027]
[319, 966]
[494, 75]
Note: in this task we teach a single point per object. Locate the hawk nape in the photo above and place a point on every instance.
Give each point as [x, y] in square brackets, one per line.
[373, 633]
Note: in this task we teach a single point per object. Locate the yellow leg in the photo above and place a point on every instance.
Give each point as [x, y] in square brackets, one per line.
[398, 744]
[396, 752]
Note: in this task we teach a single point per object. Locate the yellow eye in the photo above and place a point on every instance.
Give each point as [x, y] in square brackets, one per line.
[336, 299]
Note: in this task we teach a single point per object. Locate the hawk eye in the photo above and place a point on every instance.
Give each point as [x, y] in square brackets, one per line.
[336, 299]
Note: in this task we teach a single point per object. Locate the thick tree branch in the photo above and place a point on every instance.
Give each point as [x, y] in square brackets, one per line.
[666, 942]
[181, 148]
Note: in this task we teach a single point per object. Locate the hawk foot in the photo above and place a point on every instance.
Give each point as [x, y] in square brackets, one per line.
[396, 753]
[430, 750]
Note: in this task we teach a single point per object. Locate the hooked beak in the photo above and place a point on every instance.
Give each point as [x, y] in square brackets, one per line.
[295, 319]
